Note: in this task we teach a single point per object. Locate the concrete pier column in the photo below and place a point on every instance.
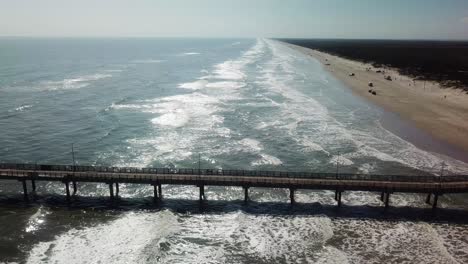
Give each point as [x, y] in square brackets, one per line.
[246, 194]
[339, 198]
[111, 190]
[74, 187]
[155, 192]
[25, 191]
[434, 204]
[387, 200]
[33, 184]
[336, 195]
[428, 198]
[117, 189]
[67, 189]
[291, 195]
[382, 196]
[159, 191]
[202, 192]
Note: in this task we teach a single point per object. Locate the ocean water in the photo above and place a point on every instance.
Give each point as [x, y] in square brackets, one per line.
[236, 104]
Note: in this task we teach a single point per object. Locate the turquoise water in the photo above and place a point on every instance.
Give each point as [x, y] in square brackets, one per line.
[238, 104]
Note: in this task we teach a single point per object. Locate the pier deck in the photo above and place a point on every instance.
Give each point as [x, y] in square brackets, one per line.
[386, 184]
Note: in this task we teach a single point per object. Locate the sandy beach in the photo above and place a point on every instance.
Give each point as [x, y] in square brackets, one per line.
[442, 112]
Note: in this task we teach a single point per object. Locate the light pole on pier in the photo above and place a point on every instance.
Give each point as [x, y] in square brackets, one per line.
[199, 164]
[73, 155]
[337, 164]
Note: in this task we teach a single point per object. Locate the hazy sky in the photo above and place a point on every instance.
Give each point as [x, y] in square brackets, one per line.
[434, 19]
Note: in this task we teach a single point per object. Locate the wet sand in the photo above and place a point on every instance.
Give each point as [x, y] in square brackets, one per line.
[441, 112]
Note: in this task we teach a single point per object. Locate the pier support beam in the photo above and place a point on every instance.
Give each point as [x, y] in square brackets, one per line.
[25, 191]
[382, 196]
[336, 195]
[74, 187]
[117, 189]
[111, 190]
[159, 191]
[67, 189]
[202, 192]
[246, 194]
[291, 195]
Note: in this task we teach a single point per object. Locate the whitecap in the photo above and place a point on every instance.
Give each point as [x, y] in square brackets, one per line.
[147, 61]
[177, 118]
[196, 85]
[189, 53]
[74, 83]
[266, 159]
[22, 108]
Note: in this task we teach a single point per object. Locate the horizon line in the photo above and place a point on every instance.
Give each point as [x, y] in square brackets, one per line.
[224, 37]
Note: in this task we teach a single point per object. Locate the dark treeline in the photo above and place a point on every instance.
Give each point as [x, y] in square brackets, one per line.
[442, 61]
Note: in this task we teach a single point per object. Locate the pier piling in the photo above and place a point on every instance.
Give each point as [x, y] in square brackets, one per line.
[339, 198]
[25, 191]
[434, 203]
[155, 192]
[67, 189]
[202, 192]
[33, 184]
[246, 194]
[74, 187]
[111, 190]
[159, 191]
[428, 198]
[291, 195]
[117, 189]
[387, 199]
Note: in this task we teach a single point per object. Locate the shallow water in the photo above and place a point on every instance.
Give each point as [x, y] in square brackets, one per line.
[251, 104]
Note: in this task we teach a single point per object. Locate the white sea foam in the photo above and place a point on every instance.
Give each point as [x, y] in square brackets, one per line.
[340, 160]
[22, 108]
[228, 85]
[407, 242]
[177, 118]
[196, 85]
[130, 239]
[266, 159]
[278, 77]
[250, 145]
[74, 83]
[196, 113]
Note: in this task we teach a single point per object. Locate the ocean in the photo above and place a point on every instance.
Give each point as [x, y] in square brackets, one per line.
[222, 103]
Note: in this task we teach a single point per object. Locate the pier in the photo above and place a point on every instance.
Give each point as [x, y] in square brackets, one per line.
[385, 185]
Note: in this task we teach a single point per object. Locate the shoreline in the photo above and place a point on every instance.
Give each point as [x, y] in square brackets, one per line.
[442, 113]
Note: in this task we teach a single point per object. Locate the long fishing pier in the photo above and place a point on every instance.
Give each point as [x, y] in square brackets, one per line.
[433, 186]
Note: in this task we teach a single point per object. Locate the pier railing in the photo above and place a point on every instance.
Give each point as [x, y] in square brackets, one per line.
[228, 172]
